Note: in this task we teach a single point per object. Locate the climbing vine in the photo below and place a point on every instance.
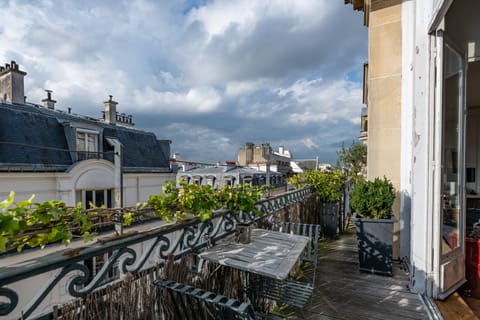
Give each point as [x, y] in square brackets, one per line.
[202, 201]
[31, 224]
[26, 223]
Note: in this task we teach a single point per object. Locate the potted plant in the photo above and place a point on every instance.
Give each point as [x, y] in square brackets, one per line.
[372, 203]
[328, 188]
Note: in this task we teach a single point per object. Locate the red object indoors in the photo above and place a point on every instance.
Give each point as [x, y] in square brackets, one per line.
[472, 267]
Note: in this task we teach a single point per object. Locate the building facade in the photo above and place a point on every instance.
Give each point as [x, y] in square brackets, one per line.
[422, 110]
[56, 154]
[222, 175]
[261, 156]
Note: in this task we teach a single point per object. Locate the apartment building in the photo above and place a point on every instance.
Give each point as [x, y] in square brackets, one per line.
[262, 156]
[57, 154]
[422, 110]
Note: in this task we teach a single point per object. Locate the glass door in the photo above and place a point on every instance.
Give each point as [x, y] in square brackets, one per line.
[452, 230]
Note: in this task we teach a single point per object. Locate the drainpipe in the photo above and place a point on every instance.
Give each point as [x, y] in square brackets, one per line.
[118, 181]
[118, 162]
[118, 171]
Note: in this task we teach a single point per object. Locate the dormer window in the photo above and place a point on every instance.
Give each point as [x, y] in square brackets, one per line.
[87, 144]
[84, 140]
[247, 180]
[230, 181]
[197, 180]
[211, 181]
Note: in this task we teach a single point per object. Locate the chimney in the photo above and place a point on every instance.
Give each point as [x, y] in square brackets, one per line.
[281, 150]
[249, 152]
[110, 110]
[48, 102]
[11, 83]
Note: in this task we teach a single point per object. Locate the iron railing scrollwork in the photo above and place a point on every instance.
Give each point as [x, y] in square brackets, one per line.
[130, 254]
[12, 297]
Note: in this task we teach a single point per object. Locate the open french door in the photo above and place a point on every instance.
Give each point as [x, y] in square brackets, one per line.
[451, 67]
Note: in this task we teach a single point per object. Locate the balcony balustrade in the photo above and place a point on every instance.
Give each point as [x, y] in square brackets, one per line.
[29, 289]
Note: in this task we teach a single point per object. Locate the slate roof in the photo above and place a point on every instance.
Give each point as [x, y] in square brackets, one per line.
[33, 137]
[225, 170]
[307, 164]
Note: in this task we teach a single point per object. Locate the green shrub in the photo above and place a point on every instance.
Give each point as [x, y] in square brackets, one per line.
[326, 184]
[373, 199]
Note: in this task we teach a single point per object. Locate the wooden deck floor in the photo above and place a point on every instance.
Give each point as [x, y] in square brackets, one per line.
[456, 307]
[342, 292]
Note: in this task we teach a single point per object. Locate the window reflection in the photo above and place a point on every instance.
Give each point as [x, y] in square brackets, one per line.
[452, 151]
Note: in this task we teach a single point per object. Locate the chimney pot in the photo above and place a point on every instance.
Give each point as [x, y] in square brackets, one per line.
[11, 83]
[48, 102]
[111, 114]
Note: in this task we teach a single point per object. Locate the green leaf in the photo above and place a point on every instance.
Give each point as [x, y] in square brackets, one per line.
[127, 218]
[9, 224]
[87, 236]
[373, 198]
[3, 243]
[5, 204]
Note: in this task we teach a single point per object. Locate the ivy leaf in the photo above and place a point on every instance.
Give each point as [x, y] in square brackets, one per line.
[56, 213]
[9, 225]
[205, 215]
[86, 223]
[60, 233]
[5, 204]
[127, 218]
[3, 243]
[87, 236]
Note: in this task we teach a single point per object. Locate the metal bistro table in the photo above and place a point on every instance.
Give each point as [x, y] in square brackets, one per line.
[269, 253]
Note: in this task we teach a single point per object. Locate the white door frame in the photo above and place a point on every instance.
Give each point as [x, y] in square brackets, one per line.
[434, 228]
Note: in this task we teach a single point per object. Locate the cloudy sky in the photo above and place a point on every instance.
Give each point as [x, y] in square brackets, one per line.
[209, 75]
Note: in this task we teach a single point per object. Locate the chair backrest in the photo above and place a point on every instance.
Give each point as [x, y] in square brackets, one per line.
[312, 231]
[214, 306]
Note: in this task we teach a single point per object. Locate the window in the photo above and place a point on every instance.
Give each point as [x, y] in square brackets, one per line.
[96, 197]
[247, 180]
[365, 83]
[87, 144]
[211, 181]
[230, 181]
[185, 178]
[197, 180]
[95, 265]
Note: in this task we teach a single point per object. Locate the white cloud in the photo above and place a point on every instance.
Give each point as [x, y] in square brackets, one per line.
[242, 88]
[310, 144]
[213, 144]
[318, 101]
[228, 71]
[219, 16]
[244, 39]
[195, 100]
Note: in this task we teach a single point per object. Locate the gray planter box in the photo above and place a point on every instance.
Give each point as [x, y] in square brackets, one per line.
[375, 241]
[329, 218]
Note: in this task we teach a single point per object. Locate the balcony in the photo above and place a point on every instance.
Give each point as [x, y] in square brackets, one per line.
[85, 155]
[117, 271]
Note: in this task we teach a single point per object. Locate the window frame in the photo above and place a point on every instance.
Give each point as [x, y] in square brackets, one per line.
[107, 195]
[86, 153]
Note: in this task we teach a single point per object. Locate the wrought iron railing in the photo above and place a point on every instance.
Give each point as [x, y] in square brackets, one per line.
[29, 289]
